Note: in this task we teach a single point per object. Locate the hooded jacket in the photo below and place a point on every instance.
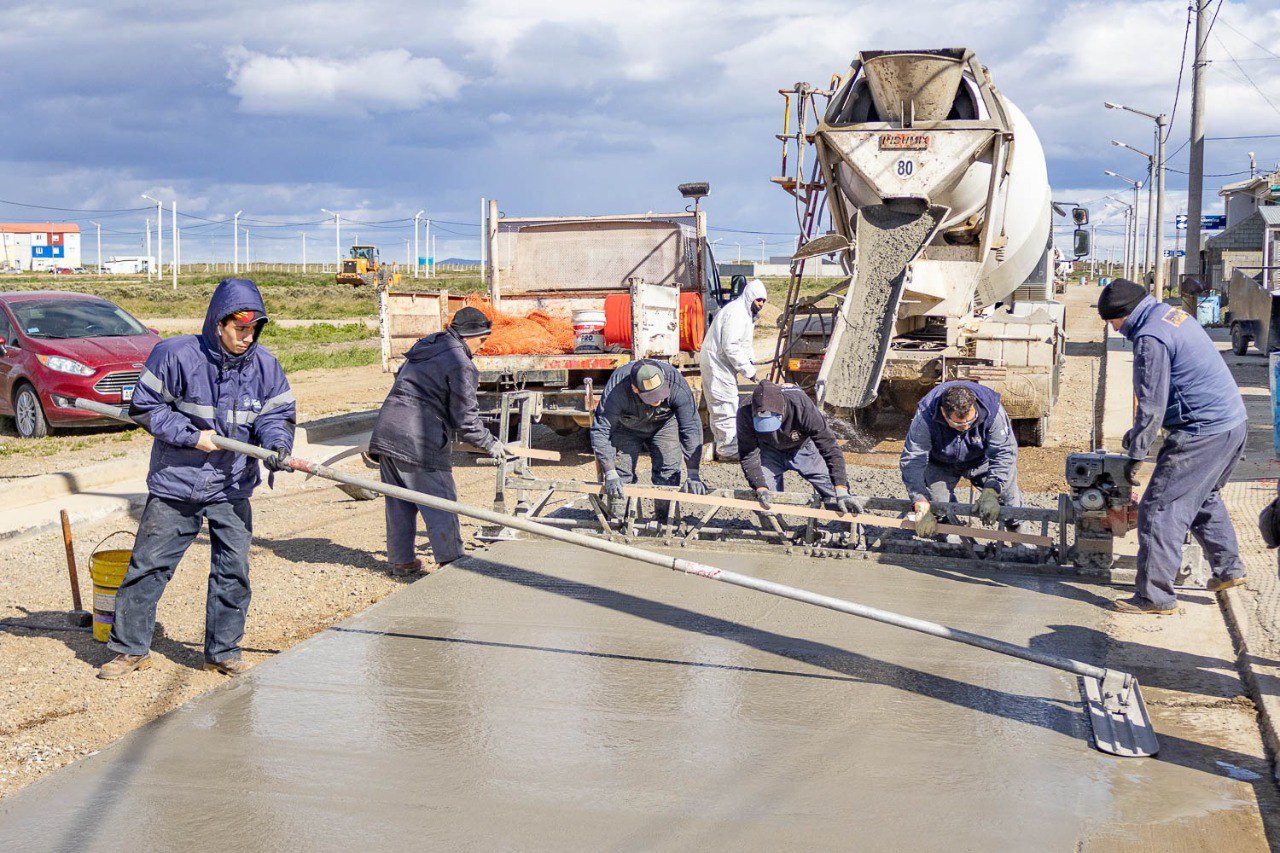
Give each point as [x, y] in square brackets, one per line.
[190, 383]
[801, 421]
[433, 397]
[728, 348]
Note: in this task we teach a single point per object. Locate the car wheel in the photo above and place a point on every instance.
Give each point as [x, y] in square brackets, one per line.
[28, 415]
[1239, 340]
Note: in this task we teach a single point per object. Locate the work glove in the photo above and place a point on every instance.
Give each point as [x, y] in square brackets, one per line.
[846, 502]
[277, 461]
[613, 486]
[694, 485]
[988, 506]
[926, 521]
[1131, 469]
[765, 497]
[498, 450]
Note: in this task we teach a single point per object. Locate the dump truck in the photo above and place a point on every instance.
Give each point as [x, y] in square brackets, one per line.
[365, 267]
[563, 265]
[935, 190]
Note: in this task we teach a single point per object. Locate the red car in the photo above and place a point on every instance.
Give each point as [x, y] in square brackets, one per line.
[66, 345]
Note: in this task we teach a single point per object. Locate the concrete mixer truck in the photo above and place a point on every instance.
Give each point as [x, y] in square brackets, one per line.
[935, 198]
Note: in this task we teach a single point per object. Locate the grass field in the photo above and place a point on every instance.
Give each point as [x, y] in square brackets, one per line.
[309, 296]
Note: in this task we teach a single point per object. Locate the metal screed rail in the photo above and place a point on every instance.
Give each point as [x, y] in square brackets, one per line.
[1121, 725]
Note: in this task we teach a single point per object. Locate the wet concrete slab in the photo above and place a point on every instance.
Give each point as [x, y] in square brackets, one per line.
[547, 697]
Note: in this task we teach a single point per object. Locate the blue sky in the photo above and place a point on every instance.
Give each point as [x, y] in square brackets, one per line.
[379, 108]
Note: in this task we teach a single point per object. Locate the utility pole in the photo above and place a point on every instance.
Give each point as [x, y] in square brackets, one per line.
[1093, 251]
[149, 258]
[159, 236]
[761, 239]
[337, 240]
[304, 252]
[431, 254]
[99, 246]
[1195, 180]
[484, 233]
[248, 258]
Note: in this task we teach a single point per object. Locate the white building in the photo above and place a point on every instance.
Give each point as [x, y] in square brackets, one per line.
[39, 246]
[127, 266]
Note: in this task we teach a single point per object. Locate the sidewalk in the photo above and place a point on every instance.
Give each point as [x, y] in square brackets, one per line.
[1254, 611]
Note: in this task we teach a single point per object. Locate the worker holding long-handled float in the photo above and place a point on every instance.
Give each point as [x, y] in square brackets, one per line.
[647, 408]
[960, 431]
[1181, 384]
[727, 352]
[193, 387]
[781, 430]
[433, 397]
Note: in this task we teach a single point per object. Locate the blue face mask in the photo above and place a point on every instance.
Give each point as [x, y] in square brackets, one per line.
[767, 422]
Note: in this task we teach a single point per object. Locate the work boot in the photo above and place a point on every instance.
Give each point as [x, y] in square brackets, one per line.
[1217, 584]
[121, 665]
[1137, 604]
[230, 666]
[404, 570]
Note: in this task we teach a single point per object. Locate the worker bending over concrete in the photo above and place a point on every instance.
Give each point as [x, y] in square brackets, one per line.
[960, 431]
[432, 398]
[1181, 383]
[781, 430]
[193, 387]
[729, 350]
[647, 408]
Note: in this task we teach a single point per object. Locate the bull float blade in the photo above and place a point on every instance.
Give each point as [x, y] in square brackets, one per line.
[1121, 725]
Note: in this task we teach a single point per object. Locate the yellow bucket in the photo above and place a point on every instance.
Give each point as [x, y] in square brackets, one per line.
[107, 568]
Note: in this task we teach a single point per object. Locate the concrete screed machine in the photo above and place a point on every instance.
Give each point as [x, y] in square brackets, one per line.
[932, 190]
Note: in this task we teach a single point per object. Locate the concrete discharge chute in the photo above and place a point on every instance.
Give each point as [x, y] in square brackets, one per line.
[1117, 712]
[938, 199]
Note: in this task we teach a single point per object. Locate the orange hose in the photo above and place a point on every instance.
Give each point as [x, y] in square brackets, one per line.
[617, 321]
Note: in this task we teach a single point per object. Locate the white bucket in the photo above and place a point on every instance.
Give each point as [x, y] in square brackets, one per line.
[588, 331]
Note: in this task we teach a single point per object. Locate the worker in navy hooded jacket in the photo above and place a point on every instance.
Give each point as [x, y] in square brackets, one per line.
[433, 397]
[960, 430]
[221, 382]
[1181, 384]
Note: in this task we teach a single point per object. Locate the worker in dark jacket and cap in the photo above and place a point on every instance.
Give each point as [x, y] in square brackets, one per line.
[193, 387]
[1181, 384]
[960, 431]
[781, 430]
[433, 397]
[647, 407]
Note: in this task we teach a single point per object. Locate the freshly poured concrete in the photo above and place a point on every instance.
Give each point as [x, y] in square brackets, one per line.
[548, 697]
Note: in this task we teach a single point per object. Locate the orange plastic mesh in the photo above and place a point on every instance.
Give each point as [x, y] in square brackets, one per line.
[536, 334]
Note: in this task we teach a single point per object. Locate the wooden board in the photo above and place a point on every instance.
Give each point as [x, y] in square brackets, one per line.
[829, 515]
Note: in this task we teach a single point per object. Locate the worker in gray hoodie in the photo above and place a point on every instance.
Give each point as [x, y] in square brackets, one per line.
[432, 398]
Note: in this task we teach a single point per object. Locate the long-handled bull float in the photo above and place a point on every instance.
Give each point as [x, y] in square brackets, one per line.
[1121, 725]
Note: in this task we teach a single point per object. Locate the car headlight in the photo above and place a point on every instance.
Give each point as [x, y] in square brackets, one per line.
[62, 364]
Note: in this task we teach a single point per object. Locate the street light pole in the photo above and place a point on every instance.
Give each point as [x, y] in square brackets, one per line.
[235, 237]
[99, 227]
[1151, 252]
[1162, 134]
[761, 239]
[431, 253]
[176, 261]
[416, 217]
[1137, 185]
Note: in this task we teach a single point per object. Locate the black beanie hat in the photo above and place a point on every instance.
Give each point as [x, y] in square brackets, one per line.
[1119, 298]
[470, 322]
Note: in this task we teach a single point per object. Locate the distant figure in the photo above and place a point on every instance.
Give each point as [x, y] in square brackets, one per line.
[193, 387]
[646, 407]
[432, 398]
[781, 430]
[1183, 385]
[960, 431]
[729, 350]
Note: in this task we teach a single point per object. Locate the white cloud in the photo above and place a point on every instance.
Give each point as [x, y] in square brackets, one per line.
[383, 81]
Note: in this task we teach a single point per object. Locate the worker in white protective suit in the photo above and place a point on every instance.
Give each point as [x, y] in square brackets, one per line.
[727, 351]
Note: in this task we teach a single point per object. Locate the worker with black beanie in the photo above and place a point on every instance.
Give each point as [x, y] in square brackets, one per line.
[1181, 384]
[432, 399]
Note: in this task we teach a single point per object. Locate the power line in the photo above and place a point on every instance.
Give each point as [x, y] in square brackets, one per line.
[119, 210]
[1182, 64]
[1264, 48]
[1240, 68]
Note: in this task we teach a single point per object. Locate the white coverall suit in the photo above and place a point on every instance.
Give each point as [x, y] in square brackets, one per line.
[728, 350]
